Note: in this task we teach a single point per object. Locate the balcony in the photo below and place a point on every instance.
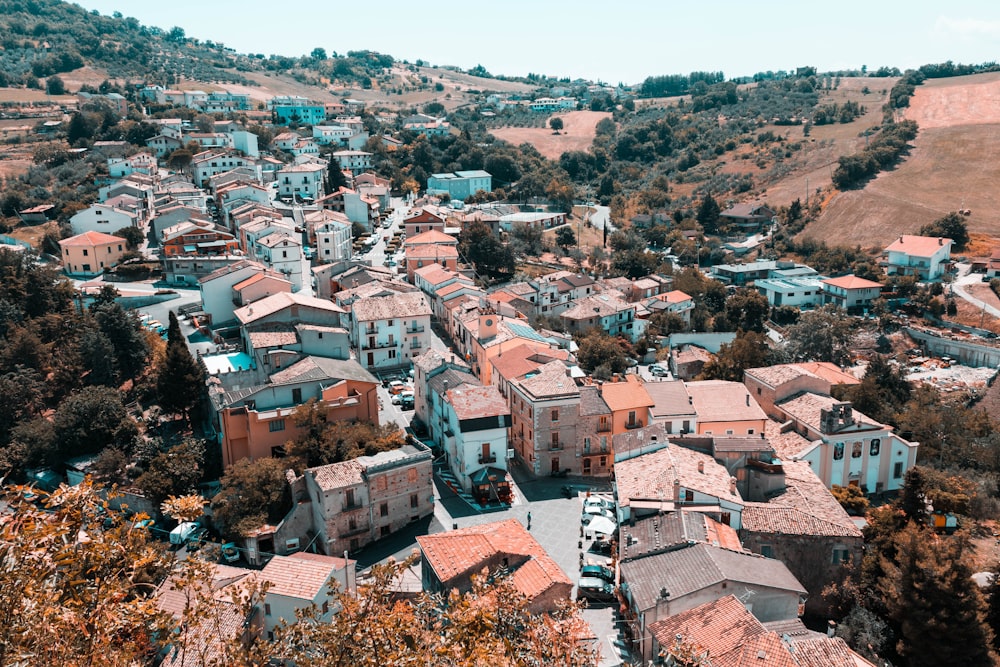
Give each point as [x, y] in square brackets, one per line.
[371, 331]
[378, 345]
[636, 424]
[492, 458]
[412, 329]
[603, 427]
[415, 345]
[352, 505]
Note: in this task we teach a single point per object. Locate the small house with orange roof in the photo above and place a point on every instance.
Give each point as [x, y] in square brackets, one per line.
[925, 257]
[449, 560]
[724, 633]
[725, 408]
[629, 402]
[419, 256]
[89, 253]
[850, 292]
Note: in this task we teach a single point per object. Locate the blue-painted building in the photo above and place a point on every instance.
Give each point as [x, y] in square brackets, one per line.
[460, 185]
[305, 114]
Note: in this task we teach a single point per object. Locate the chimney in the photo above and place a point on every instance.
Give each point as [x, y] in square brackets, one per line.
[677, 490]
[831, 628]
[900, 239]
[445, 387]
[701, 467]
[748, 400]
[732, 485]
[940, 241]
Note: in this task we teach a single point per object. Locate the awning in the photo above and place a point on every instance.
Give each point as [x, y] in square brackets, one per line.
[603, 525]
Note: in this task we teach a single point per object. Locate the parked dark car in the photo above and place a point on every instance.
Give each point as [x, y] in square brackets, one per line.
[602, 547]
[598, 572]
[595, 589]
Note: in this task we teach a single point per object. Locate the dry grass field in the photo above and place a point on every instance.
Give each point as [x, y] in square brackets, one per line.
[950, 166]
[577, 134]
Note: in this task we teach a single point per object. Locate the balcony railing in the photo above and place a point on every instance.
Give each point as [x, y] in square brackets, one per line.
[415, 345]
[371, 330]
[351, 506]
[636, 424]
[355, 531]
[412, 329]
[603, 427]
[492, 458]
[378, 345]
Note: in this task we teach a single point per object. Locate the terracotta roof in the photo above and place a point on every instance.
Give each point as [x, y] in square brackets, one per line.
[399, 306]
[547, 381]
[670, 400]
[676, 296]
[262, 339]
[235, 266]
[698, 567]
[433, 236]
[338, 475]
[298, 578]
[434, 274]
[458, 553]
[787, 445]
[851, 282]
[592, 403]
[597, 305]
[454, 287]
[524, 358]
[722, 401]
[89, 240]
[431, 251]
[663, 532]
[470, 402]
[277, 302]
[689, 353]
[775, 376]
[805, 409]
[322, 368]
[451, 378]
[651, 476]
[825, 652]
[918, 246]
[829, 372]
[627, 395]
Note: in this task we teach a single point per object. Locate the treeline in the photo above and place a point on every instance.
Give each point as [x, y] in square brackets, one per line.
[677, 84]
[881, 153]
[828, 114]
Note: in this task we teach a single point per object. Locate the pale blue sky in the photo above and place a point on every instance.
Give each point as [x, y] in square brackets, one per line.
[611, 41]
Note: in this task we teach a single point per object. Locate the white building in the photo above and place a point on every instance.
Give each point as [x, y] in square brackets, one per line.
[922, 256]
[332, 231]
[304, 181]
[300, 582]
[281, 252]
[355, 161]
[208, 164]
[102, 218]
[217, 288]
[390, 331]
[798, 292]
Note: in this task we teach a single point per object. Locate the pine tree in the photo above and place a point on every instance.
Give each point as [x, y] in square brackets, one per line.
[335, 178]
[181, 380]
[708, 215]
[933, 600]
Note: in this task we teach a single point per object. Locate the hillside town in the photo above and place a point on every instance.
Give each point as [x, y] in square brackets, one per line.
[302, 364]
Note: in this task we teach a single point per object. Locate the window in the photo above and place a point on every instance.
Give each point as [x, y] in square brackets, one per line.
[267, 609]
[555, 415]
[686, 426]
[604, 461]
[874, 447]
[856, 450]
[838, 451]
[897, 470]
[384, 531]
[689, 496]
[276, 425]
[586, 466]
[352, 524]
[840, 555]
[383, 509]
[586, 445]
[767, 551]
[555, 441]
[414, 500]
[297, 395]
[326, 606]
[392, 354]
[729, 431]
[85, 252]
[749, 431]
[604, 443]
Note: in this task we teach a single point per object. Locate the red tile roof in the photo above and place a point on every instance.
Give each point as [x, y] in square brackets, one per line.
[462, 552]
[299, 578]
[89, 240]
[477, 402]
[851, 282]
[627, 395]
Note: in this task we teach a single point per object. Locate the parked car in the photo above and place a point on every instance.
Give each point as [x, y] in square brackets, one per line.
[657, 370]
[598, 572]
[593, 588]
[594, 504]
[229, 552]
[572, 490]
[603, 547]
[406, 400]
[396, 387]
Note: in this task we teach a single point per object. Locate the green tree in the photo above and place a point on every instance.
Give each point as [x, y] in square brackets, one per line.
[97, 355]
[335, 178]
[55, 86]
[174, 472]
[321, 442]
[820, 335]
[952, 226]
[252, 493]
[597, 349]
[492, 259]
[181, 380]
[529, 236]
[851, 499]
[556, 124]
[88, 421]
[634, 263]
[126, 336]
[747, 309]
[708, 215]
[133, 237]
[748, 350]
[932, 599]
[565, 237]
[180, 159]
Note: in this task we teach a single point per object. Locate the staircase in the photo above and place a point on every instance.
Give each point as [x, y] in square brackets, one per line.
[442, 471]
